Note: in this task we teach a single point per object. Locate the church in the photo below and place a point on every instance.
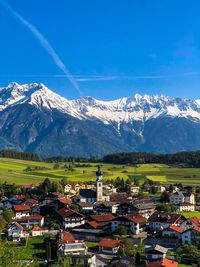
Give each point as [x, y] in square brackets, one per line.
[98, 195]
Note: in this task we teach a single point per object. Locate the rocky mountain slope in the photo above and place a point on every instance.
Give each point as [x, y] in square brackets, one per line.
[33, 118]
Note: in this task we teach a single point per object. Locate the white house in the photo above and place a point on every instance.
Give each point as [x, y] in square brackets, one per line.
[155, 252]
[21, 211]
[36, 231]
[133, 189]
[110, 246]
[162, 220]
[16, 232]
[67, 244]
[30, 221]
[173, 231]
[133, 223]
[180, 197]
[71, 218]
[190, 223]
[185, 206]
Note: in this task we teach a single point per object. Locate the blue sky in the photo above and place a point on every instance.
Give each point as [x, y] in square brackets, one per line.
[113, 48]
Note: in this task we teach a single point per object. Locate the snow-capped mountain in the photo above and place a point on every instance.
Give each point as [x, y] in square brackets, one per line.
[33, 118]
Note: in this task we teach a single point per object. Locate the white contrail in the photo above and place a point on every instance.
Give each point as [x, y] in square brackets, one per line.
[44, 42]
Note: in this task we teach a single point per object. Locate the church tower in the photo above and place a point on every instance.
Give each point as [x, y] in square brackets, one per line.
[99, 185]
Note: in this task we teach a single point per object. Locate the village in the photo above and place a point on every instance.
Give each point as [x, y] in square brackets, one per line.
[93, 224]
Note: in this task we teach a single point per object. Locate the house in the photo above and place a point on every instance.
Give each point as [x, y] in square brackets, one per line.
[34, 205]
[60, 203]
[104, 207]
[121, 261]
[144, 207]
[190, 223]
[21, 211]
[70, 218]
[30, 221]
[195, 235]
[87, 195]
[110, 188]
[86, 208]
[73, 188]
[16, 232]
[185, 206]
[133, 223]
[36, 231]
[92, 227]
[126, 208]
[110, 246]
[155, 252]
[87, 260]
[120, 198]
[103, 219]
[68, 245]
[163, 263]
[17, 199]
[162, 220]
[68, 189]
[160, 188]
[133, 189]
[173, 231]
[179, 197]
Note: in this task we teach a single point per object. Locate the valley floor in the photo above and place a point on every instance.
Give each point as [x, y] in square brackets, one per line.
[31, 172]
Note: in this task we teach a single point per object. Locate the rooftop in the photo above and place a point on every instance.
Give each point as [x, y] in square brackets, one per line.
[21, 208]
[103, 217]
[109, 243]
[163, 263]
[69, 213]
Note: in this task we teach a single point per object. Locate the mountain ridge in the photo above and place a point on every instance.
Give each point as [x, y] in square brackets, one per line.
[128, 123]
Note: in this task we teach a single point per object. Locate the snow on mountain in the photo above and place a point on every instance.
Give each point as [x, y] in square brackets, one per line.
[127, 109]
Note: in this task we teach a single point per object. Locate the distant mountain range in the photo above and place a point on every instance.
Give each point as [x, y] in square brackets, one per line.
[33, 118]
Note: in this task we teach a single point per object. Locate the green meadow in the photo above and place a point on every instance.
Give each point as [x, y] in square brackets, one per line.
[14, 171]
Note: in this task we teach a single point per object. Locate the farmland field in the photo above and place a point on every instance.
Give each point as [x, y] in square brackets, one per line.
[16, 171]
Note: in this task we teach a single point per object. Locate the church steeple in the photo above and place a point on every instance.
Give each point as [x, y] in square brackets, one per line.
[99, 184]
[99, 174]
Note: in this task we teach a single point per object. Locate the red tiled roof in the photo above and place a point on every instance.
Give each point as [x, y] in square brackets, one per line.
[135, 218]
[196, 228]
[36, 228]
[65, 201]
[94, 224]
[195, 220]
[165, 217]
[109, 243]
[177, 229]
[103, 217]
[21, 208]
[67, 237]
[68, 213]
[32, 201]
[36, 217]
[163, 263]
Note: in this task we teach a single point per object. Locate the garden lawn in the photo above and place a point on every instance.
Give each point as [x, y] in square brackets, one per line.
[35, 249]
[190, 214]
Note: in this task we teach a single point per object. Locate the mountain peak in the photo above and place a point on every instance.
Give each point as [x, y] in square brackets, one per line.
[134, 108]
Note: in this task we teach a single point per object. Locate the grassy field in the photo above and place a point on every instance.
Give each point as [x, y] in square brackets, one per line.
[191, 214]
[14, 171]
[33, 250]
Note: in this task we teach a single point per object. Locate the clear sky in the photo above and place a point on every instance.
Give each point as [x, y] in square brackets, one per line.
[113, 48]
